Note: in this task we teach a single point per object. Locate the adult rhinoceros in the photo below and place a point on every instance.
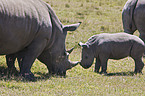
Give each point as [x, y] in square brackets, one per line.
[30, 29]
[133, 17]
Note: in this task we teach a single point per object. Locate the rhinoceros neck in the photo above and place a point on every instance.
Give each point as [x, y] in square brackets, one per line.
[56, 26]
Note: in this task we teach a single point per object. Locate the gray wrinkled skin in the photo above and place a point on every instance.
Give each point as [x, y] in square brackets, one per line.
[133, 17]
[30, 29]
[112, 46]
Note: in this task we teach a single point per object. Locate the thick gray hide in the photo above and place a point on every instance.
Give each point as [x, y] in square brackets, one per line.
[133, 17]
[30, 29]
[112, 46]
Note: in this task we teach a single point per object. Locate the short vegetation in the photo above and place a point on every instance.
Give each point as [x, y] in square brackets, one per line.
[97, 16]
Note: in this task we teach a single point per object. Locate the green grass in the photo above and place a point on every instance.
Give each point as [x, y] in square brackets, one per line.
[97, 16]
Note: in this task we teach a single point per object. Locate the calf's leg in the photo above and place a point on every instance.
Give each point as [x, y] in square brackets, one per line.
[137, 54]
[138, 65]
[103, 60]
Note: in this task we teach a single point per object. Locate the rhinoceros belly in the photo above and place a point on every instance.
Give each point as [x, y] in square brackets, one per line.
[12, 42]
[8, 48]
[120, 50]
[16, 33]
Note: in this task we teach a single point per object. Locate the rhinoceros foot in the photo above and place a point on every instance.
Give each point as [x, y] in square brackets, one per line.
[61, 73]
[96, 71]
[137, 71]
[28, 76]
[12, 70]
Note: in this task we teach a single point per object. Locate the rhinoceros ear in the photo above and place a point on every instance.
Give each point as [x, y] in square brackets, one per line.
[71, 27]
[83, 45]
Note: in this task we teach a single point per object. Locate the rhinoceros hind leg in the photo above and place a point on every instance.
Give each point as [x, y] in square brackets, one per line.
[137, 54]
[10, 60]
[138, 66]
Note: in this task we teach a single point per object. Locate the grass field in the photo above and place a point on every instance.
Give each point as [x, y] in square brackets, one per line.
[97, 16]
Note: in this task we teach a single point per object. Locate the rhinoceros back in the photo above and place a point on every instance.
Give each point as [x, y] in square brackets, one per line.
[117, 37]
[20, 22]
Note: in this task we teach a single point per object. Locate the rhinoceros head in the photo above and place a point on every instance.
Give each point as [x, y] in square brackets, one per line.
[87, 56]
[56, 57]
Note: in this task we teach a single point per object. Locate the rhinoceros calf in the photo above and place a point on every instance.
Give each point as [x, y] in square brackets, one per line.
[112, 46]
[30, 29]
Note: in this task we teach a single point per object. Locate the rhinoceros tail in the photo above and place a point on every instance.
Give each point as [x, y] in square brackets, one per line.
[133, 6]
[128, 16]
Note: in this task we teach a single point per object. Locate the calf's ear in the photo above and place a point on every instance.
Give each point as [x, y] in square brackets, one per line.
[83, 45]
[71, 27]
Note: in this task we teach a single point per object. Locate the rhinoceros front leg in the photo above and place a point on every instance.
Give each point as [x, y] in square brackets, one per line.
[10, 60]
[97, 65]
[28, 56]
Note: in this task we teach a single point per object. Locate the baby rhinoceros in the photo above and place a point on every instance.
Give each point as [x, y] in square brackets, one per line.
[112, 46]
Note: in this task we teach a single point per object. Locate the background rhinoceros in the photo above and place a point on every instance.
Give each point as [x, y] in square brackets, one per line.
[30, 29]
[133, 17]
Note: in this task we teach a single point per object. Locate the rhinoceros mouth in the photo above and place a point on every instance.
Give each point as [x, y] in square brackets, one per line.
[61, 64]
[60, 72]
